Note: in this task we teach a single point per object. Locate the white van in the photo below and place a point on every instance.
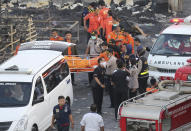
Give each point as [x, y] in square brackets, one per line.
[171, 50]
[30, 84]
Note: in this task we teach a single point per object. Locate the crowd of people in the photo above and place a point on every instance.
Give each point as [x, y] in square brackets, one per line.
[122, 69]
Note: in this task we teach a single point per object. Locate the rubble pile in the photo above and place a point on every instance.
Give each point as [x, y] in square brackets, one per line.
[142, 14]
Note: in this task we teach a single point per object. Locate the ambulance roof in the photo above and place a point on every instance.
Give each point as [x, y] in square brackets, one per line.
[182, 29]
[33, 60]
[149, 107]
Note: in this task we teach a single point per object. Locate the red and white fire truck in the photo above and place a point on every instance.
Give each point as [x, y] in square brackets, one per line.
[166, 110]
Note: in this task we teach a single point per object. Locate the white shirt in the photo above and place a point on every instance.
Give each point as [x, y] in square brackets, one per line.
[92, 122]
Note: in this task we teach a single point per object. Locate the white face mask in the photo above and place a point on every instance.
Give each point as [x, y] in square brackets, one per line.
[103, 64]
[93, 37]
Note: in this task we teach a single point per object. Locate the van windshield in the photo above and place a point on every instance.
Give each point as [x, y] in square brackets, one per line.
[14, 94]
[172, 45]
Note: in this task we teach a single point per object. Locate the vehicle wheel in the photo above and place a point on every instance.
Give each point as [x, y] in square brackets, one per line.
[34, 128]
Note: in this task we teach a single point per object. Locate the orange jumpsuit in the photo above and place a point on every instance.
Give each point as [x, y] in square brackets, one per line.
[107, 25]
[94, 21]
[103, 13]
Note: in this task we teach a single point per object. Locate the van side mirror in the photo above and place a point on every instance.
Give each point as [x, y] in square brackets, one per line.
[148, 49]
[39, 100]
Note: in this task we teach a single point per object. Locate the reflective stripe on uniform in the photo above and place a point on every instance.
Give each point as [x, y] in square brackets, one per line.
[144, 73]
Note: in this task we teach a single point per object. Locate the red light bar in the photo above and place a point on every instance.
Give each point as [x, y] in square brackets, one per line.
[177, 20]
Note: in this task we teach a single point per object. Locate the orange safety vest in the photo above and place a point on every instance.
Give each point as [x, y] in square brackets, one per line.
[116, 37]
[69, 48]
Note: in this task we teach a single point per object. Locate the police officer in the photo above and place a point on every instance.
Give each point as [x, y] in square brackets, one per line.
[98, 84]
[111, 66]
[62, 114]
[142, 70]
[120, 82]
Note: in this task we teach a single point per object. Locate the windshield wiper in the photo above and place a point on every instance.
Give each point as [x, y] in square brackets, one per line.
[171, 54]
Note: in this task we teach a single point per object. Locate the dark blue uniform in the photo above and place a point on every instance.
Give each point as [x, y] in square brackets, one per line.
[61, 114]
[121, 89]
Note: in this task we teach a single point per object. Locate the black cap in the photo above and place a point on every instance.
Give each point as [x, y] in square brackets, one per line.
[94, 33]
[101, 2]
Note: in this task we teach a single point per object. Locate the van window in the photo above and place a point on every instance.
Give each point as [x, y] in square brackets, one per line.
[14, 94]
[172, 44]
[55, 74]
[39, 90]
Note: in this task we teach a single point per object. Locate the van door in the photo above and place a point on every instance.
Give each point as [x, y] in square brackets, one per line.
[40, 105]
[57, 81]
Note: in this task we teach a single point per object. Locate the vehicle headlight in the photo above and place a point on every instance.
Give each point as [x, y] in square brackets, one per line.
[189, 78]
[22, 124]
[152, 68]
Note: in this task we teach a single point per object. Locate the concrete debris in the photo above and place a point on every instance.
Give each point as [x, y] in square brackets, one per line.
[135, 13]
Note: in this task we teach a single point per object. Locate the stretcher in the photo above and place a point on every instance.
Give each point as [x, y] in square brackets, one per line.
[82, 63]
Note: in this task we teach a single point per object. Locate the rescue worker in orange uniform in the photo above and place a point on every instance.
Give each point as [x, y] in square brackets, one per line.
[55, 36]
[94, 22]
[71, 49]
[107, 24]
[128, 39]
[117, 39]
[103, 9]
[103, 13]
[116, 35]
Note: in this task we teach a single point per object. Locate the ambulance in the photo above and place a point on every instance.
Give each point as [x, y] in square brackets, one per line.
[171, 50]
